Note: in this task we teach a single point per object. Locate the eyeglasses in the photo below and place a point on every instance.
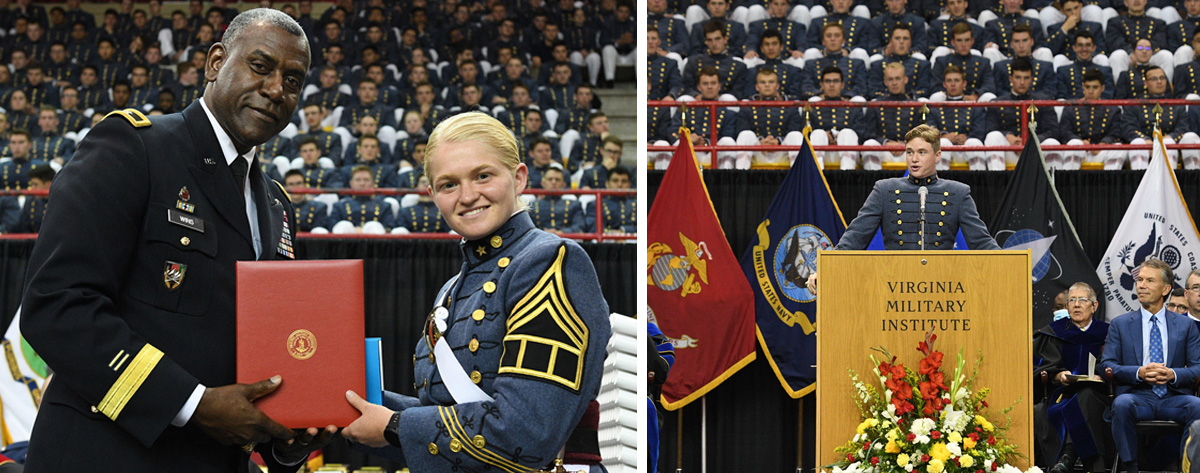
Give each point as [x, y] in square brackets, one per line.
[1193, 288]
[1144, 48]
[1080, 300]
[1179, 308]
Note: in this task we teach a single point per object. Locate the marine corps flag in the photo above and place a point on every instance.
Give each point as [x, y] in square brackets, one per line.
[693, 284]
[1157, 224]
[1032, 217]
[802, 220]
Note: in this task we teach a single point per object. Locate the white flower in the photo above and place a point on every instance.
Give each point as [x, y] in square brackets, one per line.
[922, 426]
[955, 450]
[987, 465]
[908, 467]
[1010, 469]
[1033, 469]
[921, 439]
[962, 393]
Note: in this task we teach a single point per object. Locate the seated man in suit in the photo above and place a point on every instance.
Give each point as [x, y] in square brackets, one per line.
[1076, 409]
[1154, 355]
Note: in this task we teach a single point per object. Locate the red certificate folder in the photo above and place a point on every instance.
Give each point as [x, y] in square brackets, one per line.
[302, 320]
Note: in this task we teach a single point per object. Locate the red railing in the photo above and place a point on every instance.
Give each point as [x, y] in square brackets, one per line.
[597, 236]
[801, 104]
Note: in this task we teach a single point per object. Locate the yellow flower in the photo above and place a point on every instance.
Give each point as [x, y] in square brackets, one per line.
[969, 443]
[936, 466]
[892, 447]
[940, 452]
[862, 428]
[966, 461]
[955, 437]
[902, 460]
[893, 434]
[983, 422]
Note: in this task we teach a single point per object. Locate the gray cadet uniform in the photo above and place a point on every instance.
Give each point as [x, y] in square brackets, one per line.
[894, 207]
[529, 325]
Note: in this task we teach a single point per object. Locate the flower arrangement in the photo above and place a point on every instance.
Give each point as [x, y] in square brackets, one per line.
[920, 424]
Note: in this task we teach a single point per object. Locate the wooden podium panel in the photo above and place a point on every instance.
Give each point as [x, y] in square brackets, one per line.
[977, 300]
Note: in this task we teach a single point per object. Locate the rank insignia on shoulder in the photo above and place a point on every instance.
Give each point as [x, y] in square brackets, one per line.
[133, 115]
[173, 274]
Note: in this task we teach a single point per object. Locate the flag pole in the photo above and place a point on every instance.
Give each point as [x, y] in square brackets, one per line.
[679, 442]
[704, 434]
[800, 437]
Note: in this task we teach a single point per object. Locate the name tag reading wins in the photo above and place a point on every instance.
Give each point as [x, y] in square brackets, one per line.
[185, 220]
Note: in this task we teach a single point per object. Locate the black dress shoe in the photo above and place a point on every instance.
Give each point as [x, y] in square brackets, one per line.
[1065, 462]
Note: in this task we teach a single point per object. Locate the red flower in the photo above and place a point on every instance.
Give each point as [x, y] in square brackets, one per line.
[911, 437]
[849, 457]
[866, 445]
[984, 403]
[874, 461]
[925, 458]
[991, 440]
[931, 363]
[979, 470]
[994, 467]
[974, 436]
[935, 435]
[938, 378]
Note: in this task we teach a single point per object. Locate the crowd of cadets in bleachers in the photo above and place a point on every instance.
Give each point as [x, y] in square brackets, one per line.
[919, 50]
[383, 74]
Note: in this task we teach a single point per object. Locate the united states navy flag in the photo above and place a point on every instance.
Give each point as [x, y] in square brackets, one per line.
[802, 220]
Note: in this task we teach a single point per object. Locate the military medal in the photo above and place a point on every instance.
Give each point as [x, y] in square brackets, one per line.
[182, 203]
[285, 241]
[173, 274]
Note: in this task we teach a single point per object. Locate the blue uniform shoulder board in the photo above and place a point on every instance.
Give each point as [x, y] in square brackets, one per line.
[135, 117]
[546, 338]
[282, 189]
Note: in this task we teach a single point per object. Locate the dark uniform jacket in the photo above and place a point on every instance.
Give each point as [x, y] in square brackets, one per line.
[318, 177]
[32, 215]
[14, 174]
[661, 124]
[329, 142]
[46, 148]
[1062, 43]
[916, 69]
[731, 72]
[769, 121]
[834, 118]
[854, 75]
[112, 277]
[1007, 120]
[977, 72]
[894, 208]
[698, 121]
[941, 33]
[795, 35]
[663, 74]
[1186, 79]
[311, 214]
[1070, 80]
[541, 366]
[969, 121]
[882, 124]
[1123, 32]
[1096, 124]
[791, 78]
[620, 213]
[384, 175]
[1180, 32]
[1139, 120]
[672, 31]
[858, 31]
[1000, 31]
[734, 31]
[422, 217]
[1044, 79]
[1131, 84]
[559, 97]
[552, 212]
[884, 23]
[361, 209]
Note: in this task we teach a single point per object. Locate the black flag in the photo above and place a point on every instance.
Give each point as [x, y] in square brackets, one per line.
[1032, 217]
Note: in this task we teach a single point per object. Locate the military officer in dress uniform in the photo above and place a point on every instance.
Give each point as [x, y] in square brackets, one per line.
[128, 259]
[768, 125]
[661, 71]
[1004, 123]
[504, 384]
[1070, 76]
[793, 36]
[771, 56]
[311, 215]
[976, 70]
[620, 212]
[893, 207]
[730, 72]
[423, 216]
[361, 213]
[317, 176]
[328, 143]
[699, 121]
[1139, 121]
[1092, 125]
[1123, 32]
[958, 125]
[1062, 36]
[840, 125]
[14, 174]
[556, 214]
[1045, 81]
[899, 51]
[1186, 83]
[888, 126]
[854, 69]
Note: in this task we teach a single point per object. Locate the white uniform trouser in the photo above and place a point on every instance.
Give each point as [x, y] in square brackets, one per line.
[974, 159]
[1061, 60]
[372, 227]
[1140, 158]
[943, 50]
[725, 159]
[612, 59]
[1073, 160]
[844, 137]
[994, 55]
[872, 160]
[1119, 61]
[999, 160]
[1093, 13]
[592, 61]
[988, 15]
[748, 138]
[856, 53]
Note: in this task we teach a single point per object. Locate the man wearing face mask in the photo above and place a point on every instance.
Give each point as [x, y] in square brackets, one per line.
[137, 316]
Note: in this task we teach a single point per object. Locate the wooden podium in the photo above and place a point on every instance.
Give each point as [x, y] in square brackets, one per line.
[976, 300]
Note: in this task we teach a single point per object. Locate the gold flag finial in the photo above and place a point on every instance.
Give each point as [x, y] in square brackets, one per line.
[1157, 114]
[924, 111]
[807, 122]
[1032, 117]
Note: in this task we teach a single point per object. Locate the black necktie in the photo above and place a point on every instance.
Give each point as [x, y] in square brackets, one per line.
[239, 168]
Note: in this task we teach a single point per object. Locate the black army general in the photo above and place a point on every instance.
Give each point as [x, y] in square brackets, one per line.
[130, 295]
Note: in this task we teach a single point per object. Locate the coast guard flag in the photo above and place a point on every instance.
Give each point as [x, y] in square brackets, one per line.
[802, 220]
[694, 286]
[1156, 225]
[1032, 217]
[20, 393]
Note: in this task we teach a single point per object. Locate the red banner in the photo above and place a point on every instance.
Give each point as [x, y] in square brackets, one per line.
[695, 286]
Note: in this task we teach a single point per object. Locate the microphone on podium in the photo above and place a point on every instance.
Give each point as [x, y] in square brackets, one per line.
[922, 192]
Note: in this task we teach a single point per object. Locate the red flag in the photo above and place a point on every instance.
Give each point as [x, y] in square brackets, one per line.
[695, 286]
